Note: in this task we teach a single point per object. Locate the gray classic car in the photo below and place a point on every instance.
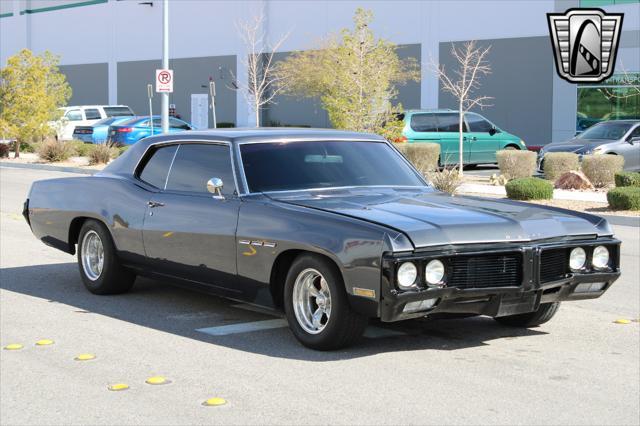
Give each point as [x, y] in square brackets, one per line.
[332, 227]
[620, 137]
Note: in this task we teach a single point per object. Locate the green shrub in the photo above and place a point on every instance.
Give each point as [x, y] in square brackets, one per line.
[558, 163]
[601, 169]
[102, 154]
[81, 148]
[423, 156]
[516, 164]
[27, 146]
[52, 150]
[529, 189]
[627, 179]
[624, 198]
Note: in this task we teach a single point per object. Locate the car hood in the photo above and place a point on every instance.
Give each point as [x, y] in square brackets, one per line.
[579, 146]
[431, 218]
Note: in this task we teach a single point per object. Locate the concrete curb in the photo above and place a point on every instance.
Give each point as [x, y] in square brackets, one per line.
[48, 167]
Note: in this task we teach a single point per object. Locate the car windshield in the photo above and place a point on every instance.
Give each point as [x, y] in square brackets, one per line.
[609, 130]
[286, 166]
[117, 111]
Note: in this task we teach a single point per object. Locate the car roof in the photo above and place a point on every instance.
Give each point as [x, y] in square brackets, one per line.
[433, 111]
[93, 106]
[126, 163]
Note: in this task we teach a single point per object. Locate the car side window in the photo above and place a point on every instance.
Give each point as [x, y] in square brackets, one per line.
[155, 170]
[177, 124]
[424, 123]
[195, 164]
[478, 124]
[92, 114]
[74, 115]
[450, 123]
[635, 133]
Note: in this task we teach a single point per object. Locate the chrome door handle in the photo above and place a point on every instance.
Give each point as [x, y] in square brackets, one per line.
[153, 204]
[473, 139]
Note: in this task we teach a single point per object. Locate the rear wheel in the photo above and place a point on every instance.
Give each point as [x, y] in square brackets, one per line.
[100, 268]
[316, 305]
[545, 312]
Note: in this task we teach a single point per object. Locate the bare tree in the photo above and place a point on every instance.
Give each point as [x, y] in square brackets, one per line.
[262, 84]
[464, 81]
[626, 79]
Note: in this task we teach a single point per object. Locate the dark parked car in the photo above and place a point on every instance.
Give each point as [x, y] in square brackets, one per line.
[332, 227]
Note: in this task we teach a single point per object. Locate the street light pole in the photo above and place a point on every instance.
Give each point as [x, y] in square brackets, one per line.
[165, 64]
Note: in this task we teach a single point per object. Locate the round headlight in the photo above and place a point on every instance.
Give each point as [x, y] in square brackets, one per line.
[407, 274]
[600, 258]
[434, 272]
[577, 258]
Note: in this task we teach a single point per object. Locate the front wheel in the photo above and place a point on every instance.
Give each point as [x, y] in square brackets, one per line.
[316, 305]
[545, 312]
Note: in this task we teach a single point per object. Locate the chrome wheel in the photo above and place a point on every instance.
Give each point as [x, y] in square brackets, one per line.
[92, 255]
[311, 301]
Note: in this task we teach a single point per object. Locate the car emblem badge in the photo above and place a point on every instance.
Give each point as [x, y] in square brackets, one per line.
[585, 43]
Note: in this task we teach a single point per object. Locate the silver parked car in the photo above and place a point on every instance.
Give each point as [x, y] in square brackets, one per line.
[619, 137]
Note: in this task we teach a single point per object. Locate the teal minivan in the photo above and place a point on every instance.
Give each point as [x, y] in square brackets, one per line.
[481, 140]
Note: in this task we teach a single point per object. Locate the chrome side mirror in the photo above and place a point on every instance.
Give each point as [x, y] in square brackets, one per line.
[214, 186]
[634, 140]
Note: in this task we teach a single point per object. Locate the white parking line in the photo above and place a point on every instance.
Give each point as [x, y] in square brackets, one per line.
[243, 327]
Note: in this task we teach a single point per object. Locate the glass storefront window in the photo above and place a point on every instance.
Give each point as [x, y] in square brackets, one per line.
[617, 98]
[600, 3]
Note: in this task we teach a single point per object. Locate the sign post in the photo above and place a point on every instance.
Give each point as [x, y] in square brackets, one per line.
[212, 93]
[165, 66]
[150, 96]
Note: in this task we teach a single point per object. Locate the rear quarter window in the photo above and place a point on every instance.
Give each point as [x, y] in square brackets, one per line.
[156, 167]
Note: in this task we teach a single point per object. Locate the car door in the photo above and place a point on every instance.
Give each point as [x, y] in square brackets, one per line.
[483, 142]
[449, 131]
[189, 232]
[73, 118]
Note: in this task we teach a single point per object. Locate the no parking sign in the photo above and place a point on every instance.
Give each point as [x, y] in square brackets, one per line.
[164, 81]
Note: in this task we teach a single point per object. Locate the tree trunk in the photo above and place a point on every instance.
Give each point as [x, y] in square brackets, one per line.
[461, 140]
[16, 149]
[257, 107]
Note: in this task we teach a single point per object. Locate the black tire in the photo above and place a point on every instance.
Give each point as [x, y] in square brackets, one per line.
[545, 312]
[114, 278]
[511, 148]
[343, 327]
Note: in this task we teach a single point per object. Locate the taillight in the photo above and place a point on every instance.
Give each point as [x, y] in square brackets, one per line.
[124, 129]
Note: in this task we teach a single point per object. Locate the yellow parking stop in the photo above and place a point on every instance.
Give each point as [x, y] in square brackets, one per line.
[118, 387]
[13, 347]
[622, 321]
[84, 357]
[157, 380]
[44, 342]
[212, 402]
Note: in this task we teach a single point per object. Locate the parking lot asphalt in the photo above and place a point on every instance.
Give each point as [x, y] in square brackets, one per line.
[580, 368]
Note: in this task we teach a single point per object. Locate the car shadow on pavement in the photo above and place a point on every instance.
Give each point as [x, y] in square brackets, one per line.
[175, 310]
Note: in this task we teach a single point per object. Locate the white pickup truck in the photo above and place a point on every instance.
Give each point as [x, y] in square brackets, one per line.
[85, 115]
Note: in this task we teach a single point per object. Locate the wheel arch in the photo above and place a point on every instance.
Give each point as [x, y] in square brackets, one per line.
[74, 230]
[280, 269]
[511, 145]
